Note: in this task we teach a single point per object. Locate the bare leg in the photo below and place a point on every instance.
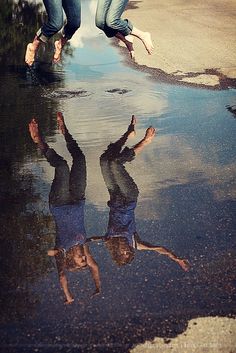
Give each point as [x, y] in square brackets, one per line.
[114, 149]
[131, 128]
[59, 44]
[36, 136]
[149, 135]
[129, 133]
[145, 37]
[31, 50]
[61, 123]
[128, 41]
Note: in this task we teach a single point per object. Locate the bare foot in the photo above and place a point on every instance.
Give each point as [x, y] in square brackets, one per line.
[34, 131]
[147, 41]
[149, 135]
[69, 301]
[59, 44]
[61, 123]
[128, 41]
[131, 128]
[30, 54]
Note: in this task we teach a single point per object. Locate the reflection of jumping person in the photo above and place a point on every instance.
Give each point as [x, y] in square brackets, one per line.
[54, 8]
[66, 202]
[121, 238]
[108, 19]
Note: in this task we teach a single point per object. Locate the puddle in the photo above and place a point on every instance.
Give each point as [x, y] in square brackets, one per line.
[185, 203]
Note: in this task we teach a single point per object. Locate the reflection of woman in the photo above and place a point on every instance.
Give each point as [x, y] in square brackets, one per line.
[108, 19]
[54, 8]
[66, 201]
[121, 238]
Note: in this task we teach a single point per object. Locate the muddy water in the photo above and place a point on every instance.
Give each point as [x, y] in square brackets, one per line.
[186, 203]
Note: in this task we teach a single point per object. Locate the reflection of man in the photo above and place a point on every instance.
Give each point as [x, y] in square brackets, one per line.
[66, 202]
[121, 238]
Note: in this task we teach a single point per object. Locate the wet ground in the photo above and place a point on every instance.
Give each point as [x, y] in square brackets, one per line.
[186, 203]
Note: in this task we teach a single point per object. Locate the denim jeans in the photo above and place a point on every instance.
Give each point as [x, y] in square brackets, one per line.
[68, 186]
[54, 8]
[108, 17]
[119, 183]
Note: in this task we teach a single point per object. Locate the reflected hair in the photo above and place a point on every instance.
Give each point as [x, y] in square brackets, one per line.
[66, 259]
[116, 247]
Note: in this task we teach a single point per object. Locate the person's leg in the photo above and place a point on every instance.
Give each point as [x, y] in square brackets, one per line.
[100, 17]
[59, 193]
[148, 137]
[128, 41]
[108, 176]
[60, 188]
[101, 12]
[128, 188]
[72, 10]
[100, 21]
[125, 28]
[52, 26]
[125, 183]
[112, 152]
[114, 148]
[78, 169]
[114, 20]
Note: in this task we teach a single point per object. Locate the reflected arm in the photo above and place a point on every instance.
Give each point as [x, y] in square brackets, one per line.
[93, 266]
[63, 280]
[183, 263]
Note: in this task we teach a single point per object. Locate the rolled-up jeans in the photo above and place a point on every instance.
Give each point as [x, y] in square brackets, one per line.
[108, 17]
[54, 8]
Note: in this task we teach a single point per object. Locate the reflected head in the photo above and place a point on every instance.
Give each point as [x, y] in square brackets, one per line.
[73, 259]
[120, 250]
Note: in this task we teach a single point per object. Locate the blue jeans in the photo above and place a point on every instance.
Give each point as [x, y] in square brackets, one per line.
[54, 8]
[68, 186]
[108, 17]
[119, 183]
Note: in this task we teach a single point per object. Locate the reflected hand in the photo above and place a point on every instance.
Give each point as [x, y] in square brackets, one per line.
[68, 301]
[97, 292]
[52, 252]
[184, 264]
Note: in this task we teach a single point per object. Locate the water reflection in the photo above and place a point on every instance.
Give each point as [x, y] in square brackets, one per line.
[232, 109]
[66, 203]
[186, 202]
[122, 238]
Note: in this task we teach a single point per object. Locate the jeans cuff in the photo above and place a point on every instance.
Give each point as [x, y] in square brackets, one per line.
[130, 27]
[41, 36]
[63, 34]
